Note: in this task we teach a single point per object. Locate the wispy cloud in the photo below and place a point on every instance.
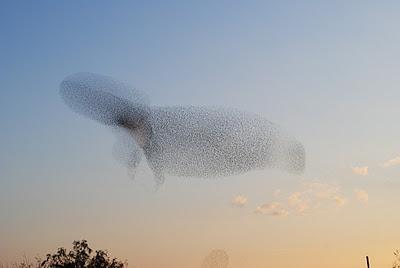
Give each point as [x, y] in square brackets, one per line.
[311, 196]
[340, 201]
[274, 209]
[362, 171]
[299, 202]
[315, 195]
[392, 162]
[361, 195]
[239, 201]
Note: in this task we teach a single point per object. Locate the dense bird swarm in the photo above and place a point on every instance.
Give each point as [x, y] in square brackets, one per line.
[182, 140]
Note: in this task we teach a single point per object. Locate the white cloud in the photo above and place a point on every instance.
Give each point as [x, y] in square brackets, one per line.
[362, 171]
[239, 201]
[314, 195]
[392, 162]
[299, 202]
[361, 195]
[274, 209]
[340, 201]
[310, 197]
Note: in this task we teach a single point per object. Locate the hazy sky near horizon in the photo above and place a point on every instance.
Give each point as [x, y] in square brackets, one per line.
[327, 71]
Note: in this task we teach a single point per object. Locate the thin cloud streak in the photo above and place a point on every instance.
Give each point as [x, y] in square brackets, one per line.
[273, 209]
[362, 171]
[310, 197]
[392, 162]
[239, 201]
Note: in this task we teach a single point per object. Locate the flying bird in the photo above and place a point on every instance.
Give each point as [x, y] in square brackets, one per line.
[190, 141]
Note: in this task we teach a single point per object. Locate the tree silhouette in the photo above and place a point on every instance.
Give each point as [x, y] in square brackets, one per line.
[81, 257]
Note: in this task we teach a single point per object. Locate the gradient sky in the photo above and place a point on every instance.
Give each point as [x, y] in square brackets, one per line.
[327, 71]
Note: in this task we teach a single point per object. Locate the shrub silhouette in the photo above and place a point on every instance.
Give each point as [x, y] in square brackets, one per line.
[81, 257]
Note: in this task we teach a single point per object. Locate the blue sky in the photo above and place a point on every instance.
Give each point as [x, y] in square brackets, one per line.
[327, 71]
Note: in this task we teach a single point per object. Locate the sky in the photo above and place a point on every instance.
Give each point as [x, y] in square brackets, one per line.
[326, 71]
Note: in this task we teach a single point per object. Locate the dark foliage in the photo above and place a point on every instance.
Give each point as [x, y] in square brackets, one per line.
[81, 256]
